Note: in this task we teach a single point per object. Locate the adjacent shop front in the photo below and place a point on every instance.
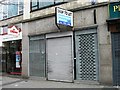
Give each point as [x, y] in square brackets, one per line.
[0, 52]
[51, 53]
[114, 28]
[12, 49]
[64, 53]
[60, 52]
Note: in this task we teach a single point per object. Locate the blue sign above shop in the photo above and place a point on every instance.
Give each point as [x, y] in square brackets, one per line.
[64, 17]
[114, 10]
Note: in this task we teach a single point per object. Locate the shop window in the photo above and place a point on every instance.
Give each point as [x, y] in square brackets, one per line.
[34, 4]
[5, 30]
[45, 3]
[1, 30]
[12, 8]
[5, 11]
[12, 56]
[58, 1]
[1, 12]
[38, 4]
[20, 7]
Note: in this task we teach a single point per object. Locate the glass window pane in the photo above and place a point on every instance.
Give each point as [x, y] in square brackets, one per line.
[43, 3]
[68, 0]
[12, 8]
[20, 6]
[34, 8]
[1, 30]
[5, 11]
[59, 1]
[1, 12]
[5, 30]
[34, 4]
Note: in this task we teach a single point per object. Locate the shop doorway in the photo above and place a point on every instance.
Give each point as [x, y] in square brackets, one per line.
[12, 57]
[86, 45]
[0, 59]
[59, 56]
[37, 56]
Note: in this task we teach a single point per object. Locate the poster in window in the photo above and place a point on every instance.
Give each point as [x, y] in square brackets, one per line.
[18, 59]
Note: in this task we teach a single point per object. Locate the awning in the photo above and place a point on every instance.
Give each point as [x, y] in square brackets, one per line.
[113, 21]
[113, 25]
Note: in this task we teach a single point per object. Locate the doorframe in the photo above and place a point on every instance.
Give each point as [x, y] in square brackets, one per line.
[87, 28]
[41, 37]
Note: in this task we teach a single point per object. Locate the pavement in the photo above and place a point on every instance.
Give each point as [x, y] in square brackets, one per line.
[0, 82]
[11, 82]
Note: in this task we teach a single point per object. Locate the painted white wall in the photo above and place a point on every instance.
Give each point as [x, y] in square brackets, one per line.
[11, 37]
[0, 40]
[98, 1]
[107, 0]
[26, 11]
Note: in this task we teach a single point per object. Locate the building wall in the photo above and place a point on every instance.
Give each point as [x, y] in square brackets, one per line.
[104, 46]
[82, 18]
[43, 21]
[85, 18]
[38, 27]
[25, 50]
[41, 13]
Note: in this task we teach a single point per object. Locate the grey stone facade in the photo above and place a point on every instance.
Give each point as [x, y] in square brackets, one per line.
[43, 22]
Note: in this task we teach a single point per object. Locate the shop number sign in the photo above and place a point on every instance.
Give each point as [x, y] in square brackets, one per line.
[64, 17]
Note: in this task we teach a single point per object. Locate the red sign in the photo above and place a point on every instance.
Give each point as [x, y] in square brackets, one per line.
[13, 30]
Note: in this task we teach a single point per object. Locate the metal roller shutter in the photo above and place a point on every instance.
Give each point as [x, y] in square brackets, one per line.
[59, 52]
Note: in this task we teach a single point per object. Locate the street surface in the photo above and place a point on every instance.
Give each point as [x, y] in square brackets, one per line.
[8, 82]
[0, 82]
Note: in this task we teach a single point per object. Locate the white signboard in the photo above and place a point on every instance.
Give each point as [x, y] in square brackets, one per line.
[8, 37]
[64, 17]
[14, 33]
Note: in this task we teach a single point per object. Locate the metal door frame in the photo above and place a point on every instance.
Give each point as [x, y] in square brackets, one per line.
[37, 37]
[88, 30]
